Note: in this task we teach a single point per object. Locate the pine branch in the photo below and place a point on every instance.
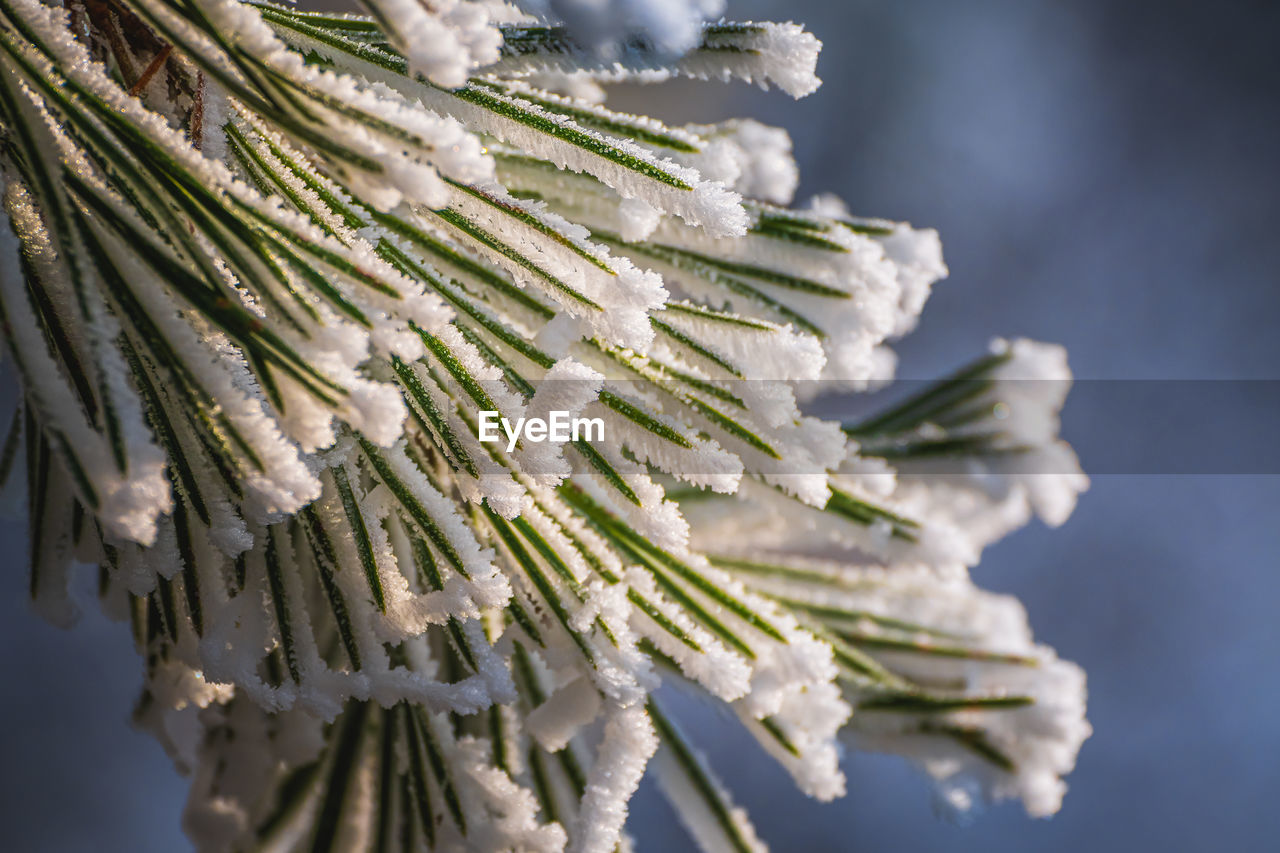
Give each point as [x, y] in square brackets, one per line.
[270, 274]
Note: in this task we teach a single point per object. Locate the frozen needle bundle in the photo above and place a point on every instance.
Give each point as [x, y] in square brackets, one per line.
[272, 279]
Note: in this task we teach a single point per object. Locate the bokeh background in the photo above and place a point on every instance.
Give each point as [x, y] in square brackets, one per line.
[1105, 174]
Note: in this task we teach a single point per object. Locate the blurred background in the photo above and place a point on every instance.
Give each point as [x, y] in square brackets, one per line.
[1106, 175]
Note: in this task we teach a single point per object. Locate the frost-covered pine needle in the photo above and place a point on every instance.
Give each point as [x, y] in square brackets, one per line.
[268, 274]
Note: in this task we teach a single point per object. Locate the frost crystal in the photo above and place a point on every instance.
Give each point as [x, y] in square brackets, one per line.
[269, 272]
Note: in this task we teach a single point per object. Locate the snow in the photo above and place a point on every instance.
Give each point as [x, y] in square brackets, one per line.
[314, 544]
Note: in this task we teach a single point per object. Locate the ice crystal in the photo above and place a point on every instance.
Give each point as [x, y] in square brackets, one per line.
[266, 271]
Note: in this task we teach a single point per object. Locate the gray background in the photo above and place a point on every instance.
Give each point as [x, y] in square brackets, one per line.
[1104, 174]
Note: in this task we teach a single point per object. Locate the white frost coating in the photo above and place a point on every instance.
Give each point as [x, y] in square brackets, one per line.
[620, 295]
[567, 387]
[409, 172]
[215, 175]
[1041, 739]
[506, 813]
[407, 614]
[808, 720]
[987, 495]
[637, 218]
[988, 499]
[857, 312]
[782, 55]
[1033, 383]
[278, 599]
[771, 353]
[723, 673]
[705, 464]
[621, 125]
[566, 711]
[697, 818]
[987, 650]
[709, 205]
[760, 155]
[620, 676]
[286, 483]
[792, 685]
[804, 451]
[655, 518]
[761, 433]
[580, 197]
[444, 40]
[128, 503]
[917, 254]
[477, 561]
[625, 747]
[569, 84]
[493, 481]
[706, 204]
[764, 517]
[241, 22]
